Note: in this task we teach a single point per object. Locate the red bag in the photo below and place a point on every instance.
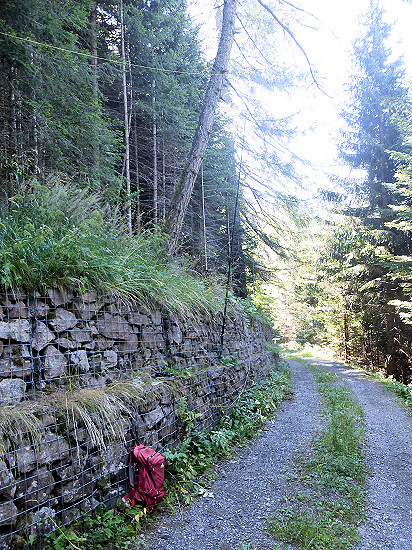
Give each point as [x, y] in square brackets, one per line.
[151, 474]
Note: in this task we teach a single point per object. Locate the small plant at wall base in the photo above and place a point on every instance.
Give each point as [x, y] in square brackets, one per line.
[97, 531]
[200, 450]
[184, 468]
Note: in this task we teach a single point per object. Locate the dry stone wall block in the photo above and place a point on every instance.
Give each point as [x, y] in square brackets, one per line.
[18, 330]
[54, 363]
[59, 297]
[43, 521]
[12, 390]
[113, 326]
[153, 417]
[8, 514]
[113, 458]
[17, 310]
[39, 309]
[35, 489]
[7, 483]
[52, 448]
[63, 320]
[15, 361]
[42, 336]
[80, 361]
[137, 318]
[80, 335]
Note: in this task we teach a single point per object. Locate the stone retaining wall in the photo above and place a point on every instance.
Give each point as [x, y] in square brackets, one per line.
[52, 343]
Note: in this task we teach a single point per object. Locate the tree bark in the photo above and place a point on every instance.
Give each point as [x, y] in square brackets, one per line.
[126, 125]
[155, 172]
[181, 197]
[93, 64]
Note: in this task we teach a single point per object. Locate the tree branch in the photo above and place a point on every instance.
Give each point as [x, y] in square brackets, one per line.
[294, 39]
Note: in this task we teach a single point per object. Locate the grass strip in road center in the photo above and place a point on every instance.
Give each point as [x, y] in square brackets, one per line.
[328, 496]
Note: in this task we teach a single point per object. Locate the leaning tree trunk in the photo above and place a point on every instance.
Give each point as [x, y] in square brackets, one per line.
[181, 197]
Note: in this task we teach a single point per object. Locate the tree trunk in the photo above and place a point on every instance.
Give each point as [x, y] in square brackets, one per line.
[137, 178]
[155, 175]
[126, 125]
[181, 197]
[203, 215]
[93, 64]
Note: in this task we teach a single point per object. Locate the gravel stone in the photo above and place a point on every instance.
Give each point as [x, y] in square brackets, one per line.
[249, 489]
[389, 433]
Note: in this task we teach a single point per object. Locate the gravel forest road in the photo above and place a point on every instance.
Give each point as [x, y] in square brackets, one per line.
[249, 488]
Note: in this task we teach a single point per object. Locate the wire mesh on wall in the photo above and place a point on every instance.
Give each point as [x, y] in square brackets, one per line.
[56, 350]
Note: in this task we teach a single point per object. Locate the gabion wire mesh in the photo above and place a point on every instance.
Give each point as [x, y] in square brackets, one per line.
[58, 343]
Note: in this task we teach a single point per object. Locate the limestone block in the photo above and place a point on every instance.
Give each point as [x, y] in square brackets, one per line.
[80, 361]
[81, 335]
[52, 448]
[36, 488]
[15, 361]
[153, 417]
[59, 297]
[54, 363]
[8, 514]
[7, 483]
[64, 320]
[12, 390]
[113, 326]
[136, 318]
[42, 336]
[18, 330]
[16, 310]
[43, 521]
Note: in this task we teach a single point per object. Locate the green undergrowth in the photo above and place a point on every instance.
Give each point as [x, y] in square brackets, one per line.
[186, 475]
[60, 235]
[200, 450]
[328, 497]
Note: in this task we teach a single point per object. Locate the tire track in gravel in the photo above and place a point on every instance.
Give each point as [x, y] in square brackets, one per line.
[389, 437]
[249, 489]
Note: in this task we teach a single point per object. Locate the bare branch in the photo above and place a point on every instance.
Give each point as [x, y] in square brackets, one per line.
[294, 39]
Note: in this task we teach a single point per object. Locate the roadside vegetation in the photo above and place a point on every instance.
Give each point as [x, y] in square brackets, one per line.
[188, 470]
[328, 497]
[60, 235]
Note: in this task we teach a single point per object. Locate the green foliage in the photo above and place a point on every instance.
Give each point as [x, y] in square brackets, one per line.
[200, 450]
[57, 235]
[329, 498]
[96, 531]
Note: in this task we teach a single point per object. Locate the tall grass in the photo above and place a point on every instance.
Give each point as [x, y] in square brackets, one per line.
[60, 235]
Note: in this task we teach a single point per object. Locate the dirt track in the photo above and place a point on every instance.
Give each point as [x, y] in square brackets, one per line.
[249, 489]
